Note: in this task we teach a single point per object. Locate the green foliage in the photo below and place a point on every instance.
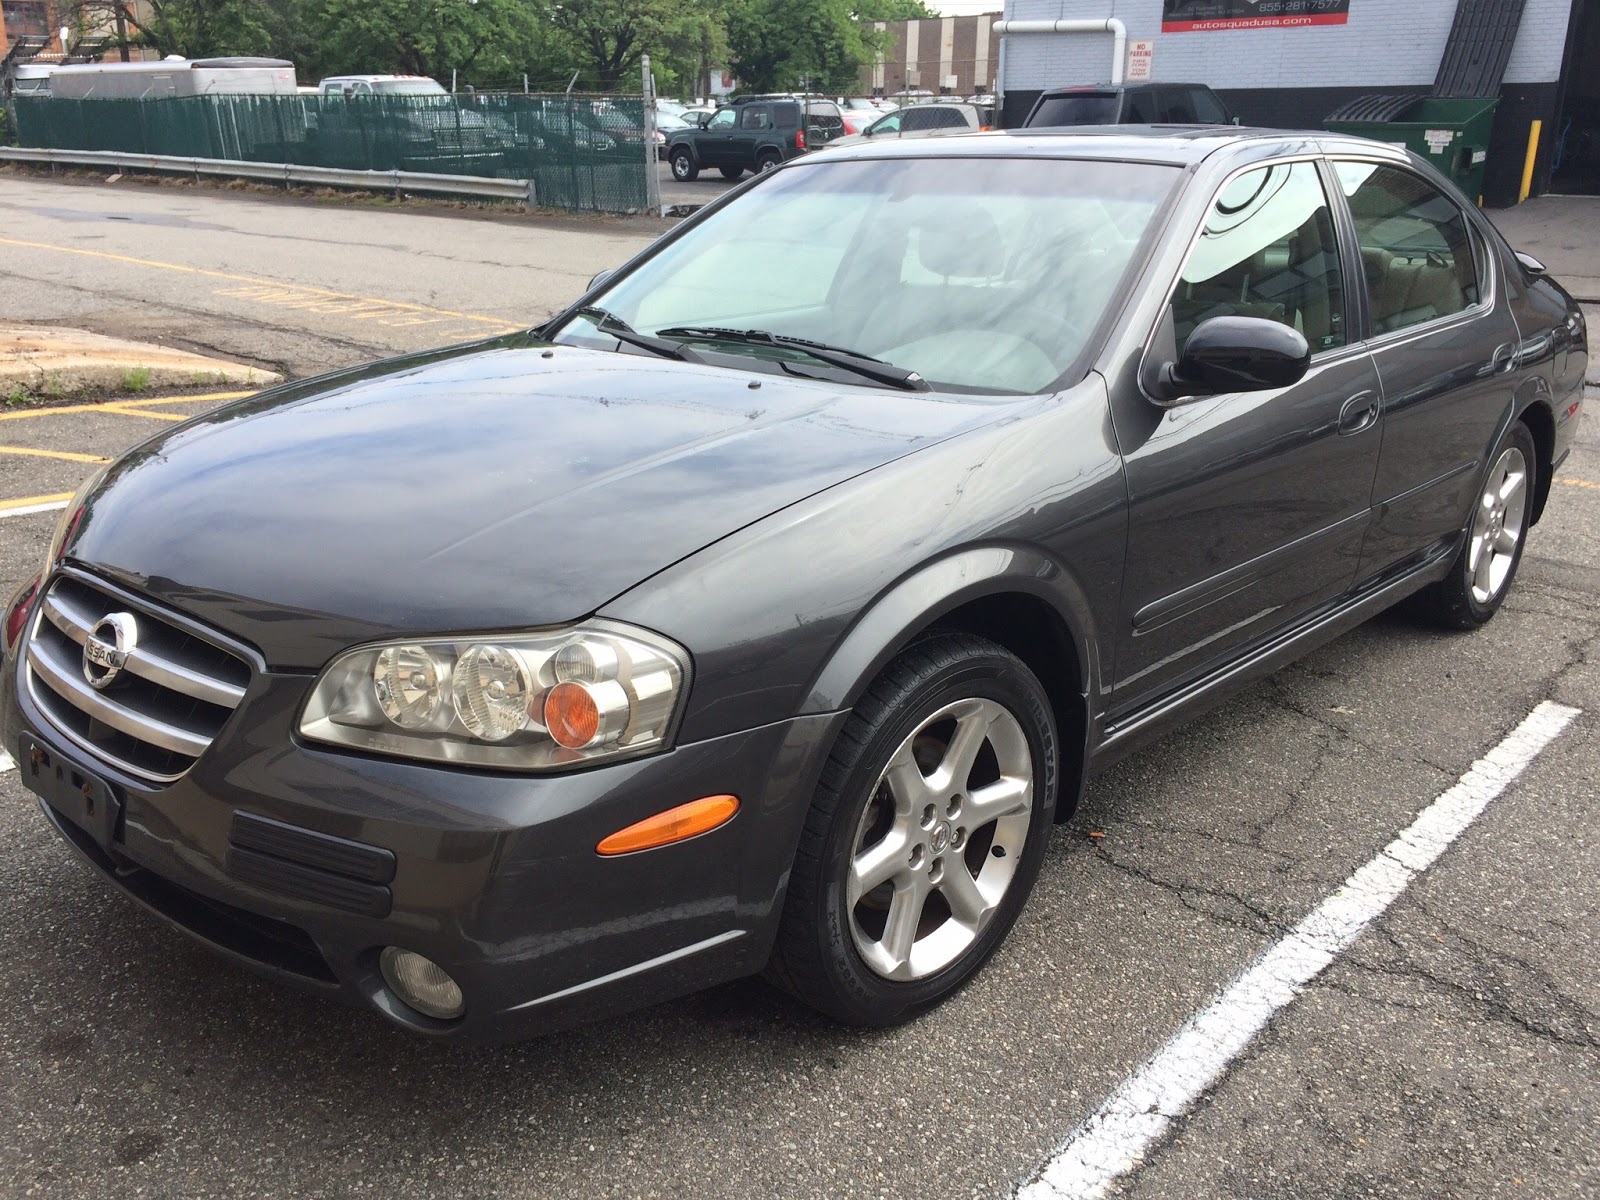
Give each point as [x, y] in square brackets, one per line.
[774, 44]
[780, 45]
[892, 10]
[416, 37]
[191, 28]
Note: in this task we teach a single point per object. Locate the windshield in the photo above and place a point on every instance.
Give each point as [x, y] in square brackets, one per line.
[409, 87]
[980, 276]
[1091, 108]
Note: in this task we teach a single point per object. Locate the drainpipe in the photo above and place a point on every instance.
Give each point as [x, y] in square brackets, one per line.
[1119, 51]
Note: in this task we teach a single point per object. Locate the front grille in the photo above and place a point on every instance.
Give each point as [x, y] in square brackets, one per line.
[166, 702]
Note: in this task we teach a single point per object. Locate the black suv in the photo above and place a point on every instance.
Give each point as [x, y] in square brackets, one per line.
[1130, 104]
[754, 133]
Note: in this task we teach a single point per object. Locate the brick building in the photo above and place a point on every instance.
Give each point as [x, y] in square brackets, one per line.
[1290, 63]
[956, 56]
[20, 17]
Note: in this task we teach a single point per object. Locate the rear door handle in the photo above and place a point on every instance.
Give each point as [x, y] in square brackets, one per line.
[1360, 412]
[1505, 358]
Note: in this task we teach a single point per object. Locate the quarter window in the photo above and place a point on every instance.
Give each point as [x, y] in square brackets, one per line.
[1416, 251]
[755, 117]
[1268, 251]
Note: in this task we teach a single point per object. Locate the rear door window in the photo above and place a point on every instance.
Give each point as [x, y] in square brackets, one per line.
[755, 116]
[1141, 109]
[1178, 106]
[1208, 109]
[1078, 108]
[933, 116]
[1416, 251]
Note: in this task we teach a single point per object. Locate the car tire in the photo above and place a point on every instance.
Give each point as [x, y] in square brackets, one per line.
[731, 172]
[879, 949]
[684, 169]
[1483, 572]
[768, 161]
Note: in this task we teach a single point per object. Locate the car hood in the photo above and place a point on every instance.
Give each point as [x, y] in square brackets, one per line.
[506, 485]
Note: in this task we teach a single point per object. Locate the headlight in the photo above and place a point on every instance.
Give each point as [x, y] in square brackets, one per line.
[71, 516]
[517, 702]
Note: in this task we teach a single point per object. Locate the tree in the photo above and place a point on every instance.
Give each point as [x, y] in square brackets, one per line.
[780, 45]
[611, 36]
[190, 28]
[417, 37]
[892, 10]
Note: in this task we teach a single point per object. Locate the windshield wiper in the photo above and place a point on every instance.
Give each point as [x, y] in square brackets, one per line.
[614, 326]
[850, 360]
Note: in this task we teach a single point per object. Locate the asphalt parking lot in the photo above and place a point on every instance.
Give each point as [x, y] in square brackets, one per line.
[1453, 1050]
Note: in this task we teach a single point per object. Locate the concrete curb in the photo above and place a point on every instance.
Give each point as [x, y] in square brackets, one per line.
[40, 361]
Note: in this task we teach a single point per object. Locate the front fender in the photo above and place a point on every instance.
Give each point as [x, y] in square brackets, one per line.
[938, 588]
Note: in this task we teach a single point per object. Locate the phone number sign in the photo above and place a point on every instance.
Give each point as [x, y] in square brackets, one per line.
[1186, 16]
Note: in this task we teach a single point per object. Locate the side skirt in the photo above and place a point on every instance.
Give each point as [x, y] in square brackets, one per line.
[1161, 716]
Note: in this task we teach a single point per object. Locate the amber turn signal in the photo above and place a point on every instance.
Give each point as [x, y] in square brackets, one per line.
[675, 825]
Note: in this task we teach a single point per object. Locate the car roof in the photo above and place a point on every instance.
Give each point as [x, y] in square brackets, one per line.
[1068, 89]
[1179, 145]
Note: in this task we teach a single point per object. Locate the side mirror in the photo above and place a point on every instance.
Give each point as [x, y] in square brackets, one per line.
[1530, 264]
[702, 119]
[601, 278]
[1235, 354]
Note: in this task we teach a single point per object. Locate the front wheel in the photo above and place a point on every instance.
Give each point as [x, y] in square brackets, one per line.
[925, 836]
[1482, 574]
[683, 168]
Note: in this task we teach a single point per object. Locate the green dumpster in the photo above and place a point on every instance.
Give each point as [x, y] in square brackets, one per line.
[1453, 135]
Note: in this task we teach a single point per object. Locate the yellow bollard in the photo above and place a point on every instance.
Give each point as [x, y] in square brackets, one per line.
[1533, 155]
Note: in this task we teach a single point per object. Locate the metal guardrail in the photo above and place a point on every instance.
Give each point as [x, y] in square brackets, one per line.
[285, 173]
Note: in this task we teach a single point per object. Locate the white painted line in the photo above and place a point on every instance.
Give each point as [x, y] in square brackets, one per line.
[1113, 1141]
[32, 508]
[6, 763]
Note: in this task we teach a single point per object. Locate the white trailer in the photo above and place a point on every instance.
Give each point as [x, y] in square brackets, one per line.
[174, 77]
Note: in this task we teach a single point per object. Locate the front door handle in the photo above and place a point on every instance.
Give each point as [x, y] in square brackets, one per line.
[1505, 357]
[1359, 413]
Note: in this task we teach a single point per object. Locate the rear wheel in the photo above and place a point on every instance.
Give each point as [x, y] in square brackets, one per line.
[683, 168]
[731, 172]
[769, 161]
[1482, 575]
[925, 836]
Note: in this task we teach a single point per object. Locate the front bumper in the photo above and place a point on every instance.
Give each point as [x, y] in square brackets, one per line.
[495, 877]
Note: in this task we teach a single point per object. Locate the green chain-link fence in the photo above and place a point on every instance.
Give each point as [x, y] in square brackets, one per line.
[583, 153]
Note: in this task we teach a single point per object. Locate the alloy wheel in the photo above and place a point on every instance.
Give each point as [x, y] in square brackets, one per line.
[940, 840]
[1498, 526]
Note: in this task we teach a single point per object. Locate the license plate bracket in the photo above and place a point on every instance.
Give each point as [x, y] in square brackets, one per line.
[81, 796]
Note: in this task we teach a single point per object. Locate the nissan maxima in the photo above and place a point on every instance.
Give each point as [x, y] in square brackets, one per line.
[763, 610]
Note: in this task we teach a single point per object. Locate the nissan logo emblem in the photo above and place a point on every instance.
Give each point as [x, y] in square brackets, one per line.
[106, 649]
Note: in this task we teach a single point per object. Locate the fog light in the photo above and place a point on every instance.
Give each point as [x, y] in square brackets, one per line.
[421, 983]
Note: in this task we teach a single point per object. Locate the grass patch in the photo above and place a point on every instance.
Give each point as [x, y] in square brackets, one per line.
[136, 380]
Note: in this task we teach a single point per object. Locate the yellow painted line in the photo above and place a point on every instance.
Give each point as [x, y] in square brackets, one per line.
[1581, 483]
[139, 412]
[68, 455]
[118, 407]
[258, 282]
[35, 501]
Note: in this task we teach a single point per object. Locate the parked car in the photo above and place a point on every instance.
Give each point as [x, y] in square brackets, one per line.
[426, 128]
[666, 125]
[1130, 104]
[764, 609]
[753, 134]
[924, 118]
